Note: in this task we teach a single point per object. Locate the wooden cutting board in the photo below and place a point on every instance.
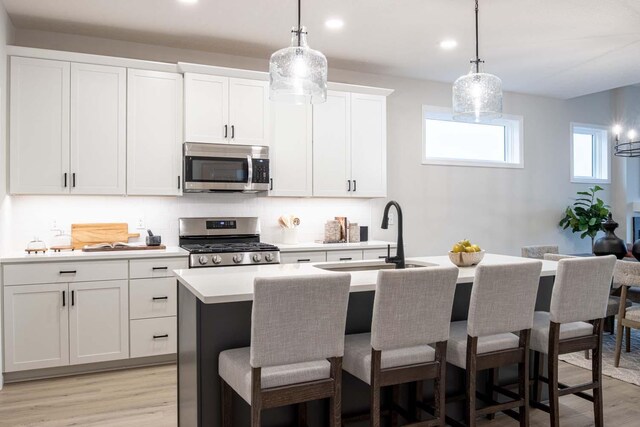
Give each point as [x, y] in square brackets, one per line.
[92, 234]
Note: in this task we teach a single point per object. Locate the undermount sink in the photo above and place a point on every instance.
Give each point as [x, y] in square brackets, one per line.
[369, 266]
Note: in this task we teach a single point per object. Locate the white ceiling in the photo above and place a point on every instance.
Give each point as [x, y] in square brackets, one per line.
[561, 48]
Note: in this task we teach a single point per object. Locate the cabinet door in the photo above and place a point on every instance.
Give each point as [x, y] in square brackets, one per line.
[39, 126]
[154, 133]
[98, 129]
[206, 108]
[353, 255]
[291, 153]
[368, 145]
[98, 321]
[36, 330]
[249, 114]
[331, 146]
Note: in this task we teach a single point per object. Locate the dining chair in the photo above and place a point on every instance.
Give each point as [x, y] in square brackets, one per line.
[626, 275]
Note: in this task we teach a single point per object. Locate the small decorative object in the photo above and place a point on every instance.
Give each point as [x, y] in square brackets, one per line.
[465, 254]
[35, 246]
[152, 239]
[344, 228]
[586, 215]
[289, 225]
[635, 249]
[61, 241]
[364, 233]
[354, 233]
[610, 244]
[332, 231]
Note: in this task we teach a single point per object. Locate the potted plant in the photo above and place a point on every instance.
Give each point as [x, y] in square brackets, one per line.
[586, 215]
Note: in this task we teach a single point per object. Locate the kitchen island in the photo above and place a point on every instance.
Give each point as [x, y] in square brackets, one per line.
[214, 314]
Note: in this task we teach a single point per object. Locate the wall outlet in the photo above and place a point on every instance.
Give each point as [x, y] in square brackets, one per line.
[140, 224]
[392, 218]
[53, 225]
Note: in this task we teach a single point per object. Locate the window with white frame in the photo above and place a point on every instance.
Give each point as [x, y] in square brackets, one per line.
[590, 159]
[445, 141]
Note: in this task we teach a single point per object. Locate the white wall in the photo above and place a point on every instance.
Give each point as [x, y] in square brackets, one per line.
[500, 209]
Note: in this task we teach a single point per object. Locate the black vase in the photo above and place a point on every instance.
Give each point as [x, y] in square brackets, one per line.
[635, 249]
[610, 244]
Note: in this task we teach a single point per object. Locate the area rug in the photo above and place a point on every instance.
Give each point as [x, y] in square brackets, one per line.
[629, 370]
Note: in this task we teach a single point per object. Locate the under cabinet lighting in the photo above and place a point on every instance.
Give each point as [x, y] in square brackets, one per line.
[334, 23]
[188, 1]
[448, 44]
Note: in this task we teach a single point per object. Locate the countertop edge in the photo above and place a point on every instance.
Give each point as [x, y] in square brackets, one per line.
[79, 256]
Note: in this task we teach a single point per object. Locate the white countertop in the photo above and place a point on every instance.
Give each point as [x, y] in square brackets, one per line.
[319, 246]
[78, 255]
[231, 284]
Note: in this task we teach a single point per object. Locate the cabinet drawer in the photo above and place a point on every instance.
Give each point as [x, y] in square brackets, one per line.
[368, 254]
[355, 255]
[295, 257]
[156, 267]
[152, 298]
[67, 272]
[152, 337]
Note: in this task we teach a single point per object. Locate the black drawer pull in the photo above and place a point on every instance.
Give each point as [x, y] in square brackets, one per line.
[225, 130]
[382, 257]
[157, 337]
[65, 180]
[346, 258]
[68, 272]
[159, 268]
[64, 298]
[73, 298]
[304, 260]
[159, 298]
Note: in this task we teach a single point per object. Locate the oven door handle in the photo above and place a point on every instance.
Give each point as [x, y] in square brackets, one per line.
[249, 171]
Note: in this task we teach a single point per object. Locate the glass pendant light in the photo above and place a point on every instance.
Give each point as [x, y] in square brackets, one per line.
[298, 74]
[477, 96]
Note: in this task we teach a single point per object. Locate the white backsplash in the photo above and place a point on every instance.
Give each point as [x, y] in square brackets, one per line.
[23, 217]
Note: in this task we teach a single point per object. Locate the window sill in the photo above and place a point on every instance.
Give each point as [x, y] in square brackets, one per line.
[472, 163]
[575, 180]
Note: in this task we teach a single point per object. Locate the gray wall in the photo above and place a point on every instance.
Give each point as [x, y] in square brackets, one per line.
[500, 209]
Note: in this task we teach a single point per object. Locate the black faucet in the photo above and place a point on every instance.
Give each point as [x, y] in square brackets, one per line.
[398, 260]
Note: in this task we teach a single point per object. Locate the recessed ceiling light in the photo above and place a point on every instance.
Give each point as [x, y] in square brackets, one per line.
[334, 23]
[188, 1]
[448, 44]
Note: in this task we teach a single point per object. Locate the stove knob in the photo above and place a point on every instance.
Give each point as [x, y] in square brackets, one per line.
[216, 259]
[257, 257]
[203, 260]
[268, 257]
[237, 258]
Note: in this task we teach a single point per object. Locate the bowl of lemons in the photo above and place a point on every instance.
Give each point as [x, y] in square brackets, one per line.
[465, 254]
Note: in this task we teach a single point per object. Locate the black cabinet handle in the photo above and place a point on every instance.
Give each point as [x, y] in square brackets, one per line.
[68, 272]
[382, 257]
[304, 260]
[156, 337]
[346, 259]
[349, 187]
[270, 184]
[73, 178]
[64, 298]
[73, 298]
[355, 185]
[233, 131]
[225, 130]
[160, 268]
[159, 298]
[179, 182]
[65, 180]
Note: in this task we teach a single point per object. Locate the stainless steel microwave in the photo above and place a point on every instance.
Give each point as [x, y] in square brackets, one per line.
[225, 168]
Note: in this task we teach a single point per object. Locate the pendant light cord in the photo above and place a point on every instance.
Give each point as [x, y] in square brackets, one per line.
[477, 61]
[299, 23]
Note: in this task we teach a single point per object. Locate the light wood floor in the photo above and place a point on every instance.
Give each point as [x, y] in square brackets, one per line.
[146, 397]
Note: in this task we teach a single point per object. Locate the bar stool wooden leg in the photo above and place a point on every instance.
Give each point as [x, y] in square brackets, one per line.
[256, 399]
[523, 384]
[395, 397]
[419, 397]
[335, 402]
[554, 410]
[538, 371]
[628, 340]
[440, 390]
[472, 348]
[375, 388]
[227, 409]
[619, 335]
[596, 373]
[301, 408]
[491, 383]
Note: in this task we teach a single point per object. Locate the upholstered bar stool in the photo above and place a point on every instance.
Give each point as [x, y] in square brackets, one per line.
[626, 275]
[297, 343]
[502, 303]
[538, 251]
[573, 323]
[411, 309]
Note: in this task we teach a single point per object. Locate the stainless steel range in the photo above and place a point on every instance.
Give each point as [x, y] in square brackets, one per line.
[218, 242]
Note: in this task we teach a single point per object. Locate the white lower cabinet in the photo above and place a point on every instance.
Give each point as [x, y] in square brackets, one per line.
[152, 298]
[371, 254]
[153, 337]
[353, 255]
[300, 257]
[36, 331]
[98, 321]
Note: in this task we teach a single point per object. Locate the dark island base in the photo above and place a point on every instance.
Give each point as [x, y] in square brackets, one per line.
[205, 330]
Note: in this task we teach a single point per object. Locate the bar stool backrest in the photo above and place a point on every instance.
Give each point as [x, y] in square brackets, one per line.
[556, 257]
[538, 251]
[412, 307]
[581, 289]
[626, 273]
[503, 298]
[298, 319]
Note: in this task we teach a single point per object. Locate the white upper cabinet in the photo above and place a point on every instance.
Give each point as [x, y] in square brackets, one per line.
[368, 145]
[98, 129]
[206, 108]
[154, 133]
[39, 126]
[350, 146]
[291, 152]
[331, 146]
[98, 321]
[226, 110]
[249, 112]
